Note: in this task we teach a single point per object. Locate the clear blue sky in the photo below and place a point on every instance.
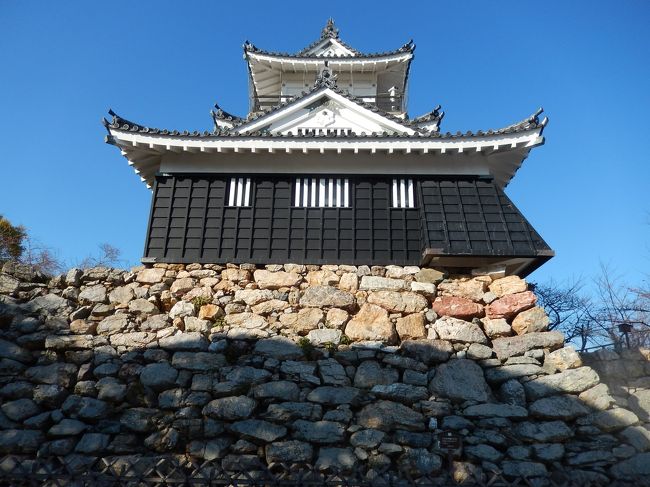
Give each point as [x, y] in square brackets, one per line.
[164, 63]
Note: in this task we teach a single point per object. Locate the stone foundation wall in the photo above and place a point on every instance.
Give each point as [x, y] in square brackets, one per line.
[329, 365]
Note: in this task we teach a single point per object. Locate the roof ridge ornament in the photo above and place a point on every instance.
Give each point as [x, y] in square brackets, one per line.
[325, 78]
[329, 31]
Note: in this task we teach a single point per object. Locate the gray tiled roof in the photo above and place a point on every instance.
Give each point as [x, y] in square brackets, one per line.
[219, 114]
[434, 115]
[120, 123]
[329, 32]
[408, 47]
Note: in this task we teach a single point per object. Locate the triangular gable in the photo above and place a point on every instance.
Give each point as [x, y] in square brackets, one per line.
[329, 48]
[322, 110]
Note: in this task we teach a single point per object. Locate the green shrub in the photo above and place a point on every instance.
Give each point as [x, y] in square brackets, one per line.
[200, 301]
[307, 347]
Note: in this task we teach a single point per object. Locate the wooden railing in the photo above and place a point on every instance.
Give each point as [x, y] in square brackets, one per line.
[383, 101]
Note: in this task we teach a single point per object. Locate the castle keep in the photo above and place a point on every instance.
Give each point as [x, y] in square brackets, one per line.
[328, 168]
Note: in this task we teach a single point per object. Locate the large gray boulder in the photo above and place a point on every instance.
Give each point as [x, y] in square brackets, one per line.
[48, 304]
[258, 430]
[370, 373]
[419, 461]
[198, 361]
[494, 410]
[112, 324]
[334, 396]
[511, 346]
[321, 432]
[326, 296]
[615, 419]
[571, 381]
[159, 376]
[20, 409]
[636, 467]
[376, 283]
[185, 342]
[460, 380]
[14, 441]
[640, 403]
[389, 416]
[248, 375]
[455, 330]
[85, 408]
[290, 411]
[14, 352]
[332, 373]
[428, 351]
[67, 427]
[230, 408]
[543, 431]
[279, 348]
[282, 390]
[92, 443]
[514, 371]
[93, 294]
[60, 374]
[289, 451]
[404, 393]
[140, 420]
[558, 407]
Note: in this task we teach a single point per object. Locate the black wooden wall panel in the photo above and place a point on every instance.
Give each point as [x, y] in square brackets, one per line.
[191, 222]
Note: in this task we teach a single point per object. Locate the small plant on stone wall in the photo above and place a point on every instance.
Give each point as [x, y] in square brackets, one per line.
[199, 301]
[219, 322]
[345, 340]
[307, 347]
[330, 347]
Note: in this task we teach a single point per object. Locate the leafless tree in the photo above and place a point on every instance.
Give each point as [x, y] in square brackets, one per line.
[109, 256]
[566, 307]
[43, 258]
[623, 312]
[612, 314]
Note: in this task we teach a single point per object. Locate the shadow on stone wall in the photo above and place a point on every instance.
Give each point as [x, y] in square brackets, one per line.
[335, 366]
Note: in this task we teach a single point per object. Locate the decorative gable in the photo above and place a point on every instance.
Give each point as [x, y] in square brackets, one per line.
[325, 112]
[328, 116]
[330, 48]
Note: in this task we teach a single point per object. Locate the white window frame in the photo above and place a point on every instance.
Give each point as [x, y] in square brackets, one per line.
[403, 193]
[321, 192]
[239, 192]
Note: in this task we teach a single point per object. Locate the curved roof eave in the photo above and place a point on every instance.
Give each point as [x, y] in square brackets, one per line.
[530, 124]
[396, 55]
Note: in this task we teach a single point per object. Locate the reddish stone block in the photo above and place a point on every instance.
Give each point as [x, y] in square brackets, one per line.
[511, 304]
[456, 307]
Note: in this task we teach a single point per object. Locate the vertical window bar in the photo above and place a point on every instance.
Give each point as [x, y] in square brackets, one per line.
[346, 195]
[296, 199]
[231, 192]
[410, 194]
[305, 192]
[240, 190]
[321, 192]
[338, 193]
[395, 197]
[247, 192]
[313, 192]
[330, 196]
[402, 193]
